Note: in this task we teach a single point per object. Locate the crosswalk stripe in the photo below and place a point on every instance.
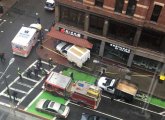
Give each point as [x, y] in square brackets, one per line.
[4, 94]
[21, 91]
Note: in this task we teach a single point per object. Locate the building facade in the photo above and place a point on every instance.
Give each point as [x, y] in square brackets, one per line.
[130, 32]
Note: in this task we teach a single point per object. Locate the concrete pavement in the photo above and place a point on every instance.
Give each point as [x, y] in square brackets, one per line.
[6, 4]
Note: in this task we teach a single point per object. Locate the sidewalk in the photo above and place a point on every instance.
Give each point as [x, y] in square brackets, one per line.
[112, 70]
[7, 113]
[6, 4]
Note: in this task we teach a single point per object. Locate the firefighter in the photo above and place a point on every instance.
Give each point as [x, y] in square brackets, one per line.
[2, 57]
[39, 62]
[36, 71]
[19, 73]
[50, 62]
[28, 73]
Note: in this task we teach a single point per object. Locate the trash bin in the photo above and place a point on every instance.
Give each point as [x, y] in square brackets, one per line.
[1, 9]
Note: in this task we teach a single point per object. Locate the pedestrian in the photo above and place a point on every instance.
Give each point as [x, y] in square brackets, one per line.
[39, 62]
[28, 73]
[38, 66]
[14, 94]
[2, 57]
[50, 62]
[43, 72]
[19, 73]
[36, 72]
[38, 20]
[112, 98]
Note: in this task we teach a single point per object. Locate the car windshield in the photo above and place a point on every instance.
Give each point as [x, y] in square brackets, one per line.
[45, 105]
[61, 109]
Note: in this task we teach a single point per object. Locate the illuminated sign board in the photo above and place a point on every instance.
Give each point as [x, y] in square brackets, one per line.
[63, 30]
[117, 47]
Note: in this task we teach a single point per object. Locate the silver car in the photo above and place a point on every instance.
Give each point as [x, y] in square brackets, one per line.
[53, 108]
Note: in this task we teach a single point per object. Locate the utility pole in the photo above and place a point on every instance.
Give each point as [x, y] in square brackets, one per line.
[151, 90]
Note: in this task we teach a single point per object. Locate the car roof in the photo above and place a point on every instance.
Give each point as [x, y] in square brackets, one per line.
[54, 105]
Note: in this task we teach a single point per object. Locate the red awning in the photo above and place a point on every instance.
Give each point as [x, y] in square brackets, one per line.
[68, 38]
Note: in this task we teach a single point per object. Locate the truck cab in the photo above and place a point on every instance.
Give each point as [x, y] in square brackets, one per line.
[107, 84]
[62, 47]
[49, 5]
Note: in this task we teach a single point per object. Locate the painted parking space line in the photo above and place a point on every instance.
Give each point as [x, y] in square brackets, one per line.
[97, 111]
[117, 100]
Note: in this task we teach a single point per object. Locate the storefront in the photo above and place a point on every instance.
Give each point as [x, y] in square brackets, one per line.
[96, 45]
[116, 53]
[145, 63]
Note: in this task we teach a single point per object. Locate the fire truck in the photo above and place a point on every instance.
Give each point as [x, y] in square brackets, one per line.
[80, 92]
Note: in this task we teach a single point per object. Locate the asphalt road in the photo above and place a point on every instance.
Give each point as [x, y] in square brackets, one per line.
[24, 13]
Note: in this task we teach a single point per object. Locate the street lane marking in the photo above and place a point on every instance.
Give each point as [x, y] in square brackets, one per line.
[98, 111]
[6, 95]
[131, 105]
[32, 80]
[23, 84]
[162, 113]
[5, 104]
[18, 90]
[34, 100]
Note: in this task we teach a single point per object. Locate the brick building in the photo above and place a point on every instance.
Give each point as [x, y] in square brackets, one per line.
[130, 32]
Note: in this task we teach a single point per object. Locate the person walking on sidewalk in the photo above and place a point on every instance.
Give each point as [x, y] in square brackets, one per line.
[2, 57]
[19, 73]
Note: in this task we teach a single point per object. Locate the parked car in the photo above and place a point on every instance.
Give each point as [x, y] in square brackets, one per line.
[50, 5]
[86, 116]
[53, 108]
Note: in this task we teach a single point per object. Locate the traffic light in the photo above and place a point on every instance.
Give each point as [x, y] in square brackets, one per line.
[1, 9]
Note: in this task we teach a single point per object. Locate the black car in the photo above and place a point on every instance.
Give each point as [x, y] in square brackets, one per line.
[86, 116]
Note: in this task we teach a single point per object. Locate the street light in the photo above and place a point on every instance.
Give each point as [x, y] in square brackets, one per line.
[10, 62]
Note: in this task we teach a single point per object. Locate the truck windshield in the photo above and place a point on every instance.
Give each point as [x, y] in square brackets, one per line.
[45, 105]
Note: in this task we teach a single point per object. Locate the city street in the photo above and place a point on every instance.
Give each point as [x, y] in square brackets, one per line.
[23, 13]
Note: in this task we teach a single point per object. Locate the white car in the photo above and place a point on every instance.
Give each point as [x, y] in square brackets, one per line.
[107, 84]
[49, 5]
[62, 47]
[53, 108]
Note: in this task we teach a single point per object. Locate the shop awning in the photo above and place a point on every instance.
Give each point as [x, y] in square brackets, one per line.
[68, 38]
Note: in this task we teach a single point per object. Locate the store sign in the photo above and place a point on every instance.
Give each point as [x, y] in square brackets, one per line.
[126, 50]
[69, 32]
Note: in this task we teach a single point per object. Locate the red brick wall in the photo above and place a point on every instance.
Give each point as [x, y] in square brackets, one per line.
[110, 3]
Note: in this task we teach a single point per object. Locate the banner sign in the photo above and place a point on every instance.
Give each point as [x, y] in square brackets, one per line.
[117, 47]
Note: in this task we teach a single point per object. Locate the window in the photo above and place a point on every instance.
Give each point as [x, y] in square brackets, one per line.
[119, 6]
[96, 24]
[79, 1]
[99, 3]
[131, 7]
[156, 13]
[72, 17]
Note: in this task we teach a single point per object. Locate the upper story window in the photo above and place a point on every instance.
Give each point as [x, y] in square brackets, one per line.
[119, 6]
[156, 12]
[79, 1]
[131, 7]
[99, 3]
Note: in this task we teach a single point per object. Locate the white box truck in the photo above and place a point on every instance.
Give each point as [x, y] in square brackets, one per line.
[25, 39]
[74, 53]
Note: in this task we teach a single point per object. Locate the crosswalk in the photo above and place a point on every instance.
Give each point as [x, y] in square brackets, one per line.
[23, 87]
